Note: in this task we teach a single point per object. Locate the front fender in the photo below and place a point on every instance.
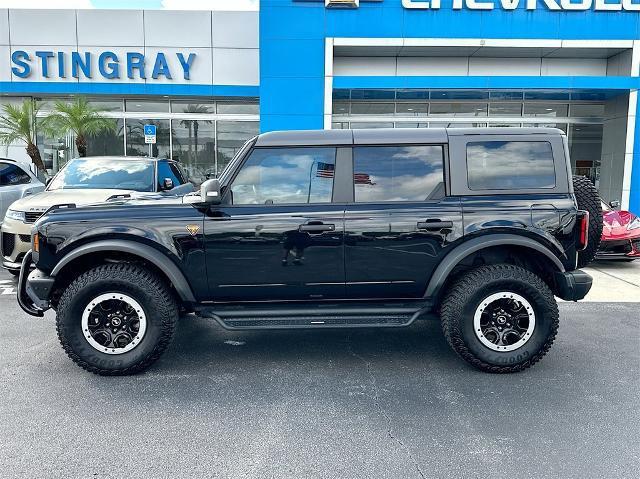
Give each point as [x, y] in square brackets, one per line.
[148, 253]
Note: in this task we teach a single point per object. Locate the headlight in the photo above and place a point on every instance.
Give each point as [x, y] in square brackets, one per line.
[635, 224]
[14, 215]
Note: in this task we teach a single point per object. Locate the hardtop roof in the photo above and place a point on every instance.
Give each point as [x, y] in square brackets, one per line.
[386, 135]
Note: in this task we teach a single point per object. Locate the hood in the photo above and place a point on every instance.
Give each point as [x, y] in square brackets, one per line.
[615, 225]
[46, 199]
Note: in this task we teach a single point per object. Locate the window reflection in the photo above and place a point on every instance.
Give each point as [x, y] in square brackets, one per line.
[410, 173]
[285, 175]
[104, 173]
[507, 165]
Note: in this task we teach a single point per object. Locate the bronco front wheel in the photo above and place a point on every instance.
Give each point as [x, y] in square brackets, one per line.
[116, 319]
[500, 318]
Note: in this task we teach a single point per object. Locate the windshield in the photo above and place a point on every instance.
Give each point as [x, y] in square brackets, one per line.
[112, 174]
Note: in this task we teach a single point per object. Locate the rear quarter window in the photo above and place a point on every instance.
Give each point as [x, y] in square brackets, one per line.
[510, 165]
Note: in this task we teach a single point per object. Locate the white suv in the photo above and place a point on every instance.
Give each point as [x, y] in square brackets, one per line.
[16, 182]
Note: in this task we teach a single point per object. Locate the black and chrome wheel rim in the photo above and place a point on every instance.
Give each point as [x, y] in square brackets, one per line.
[504, 321]
[113, 323]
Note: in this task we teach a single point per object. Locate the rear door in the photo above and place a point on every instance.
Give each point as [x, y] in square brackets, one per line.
[401, 221]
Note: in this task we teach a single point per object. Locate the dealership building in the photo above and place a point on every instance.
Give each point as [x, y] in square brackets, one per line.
[209, 80]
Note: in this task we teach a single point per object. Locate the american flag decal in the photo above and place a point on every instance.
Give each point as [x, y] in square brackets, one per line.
[325, 170]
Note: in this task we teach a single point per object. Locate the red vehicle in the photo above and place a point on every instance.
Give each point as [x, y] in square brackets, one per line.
[620, 235]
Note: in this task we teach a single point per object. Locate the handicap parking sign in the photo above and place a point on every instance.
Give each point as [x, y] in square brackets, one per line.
[150, 134]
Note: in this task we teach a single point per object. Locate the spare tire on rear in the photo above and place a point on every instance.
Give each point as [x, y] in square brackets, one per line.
[589, 200]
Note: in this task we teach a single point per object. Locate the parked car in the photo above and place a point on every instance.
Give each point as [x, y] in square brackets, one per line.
[84, 181]
[329, 229]
[16, 182]
[620, 235]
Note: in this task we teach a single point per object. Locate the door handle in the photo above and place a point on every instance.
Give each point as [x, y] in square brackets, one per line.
[316, 227]
[434, 225]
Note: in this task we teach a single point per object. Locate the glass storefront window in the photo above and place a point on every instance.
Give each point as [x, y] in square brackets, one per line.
[195, 107]
[458, 109]
[194, 146]
[588, 110]
[135, 138]
[505, 109]
[231, 136]
[456, 125]
[412, 109]
[402, 124]
[585, 145]
[340, 108]
[238, 108]
[561, 126]
[372, 108]
[546, 109]
[107, 143]
[106, 105]
[147, 106]
[371, 124]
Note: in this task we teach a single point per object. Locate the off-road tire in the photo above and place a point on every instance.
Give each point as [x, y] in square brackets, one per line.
[588, 199]
[460, 303]
[147, 288]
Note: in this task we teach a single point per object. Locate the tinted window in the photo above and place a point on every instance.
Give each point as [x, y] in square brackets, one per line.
[12, 175]
[510, 165]
[393, 173]
[106, 173]
[168, 170]
[285, 175]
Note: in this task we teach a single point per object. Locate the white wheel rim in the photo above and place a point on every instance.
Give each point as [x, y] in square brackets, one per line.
[121, 319]
[504, 321]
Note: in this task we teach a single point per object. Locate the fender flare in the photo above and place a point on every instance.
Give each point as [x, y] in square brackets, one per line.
[460, 252]
[153, 256]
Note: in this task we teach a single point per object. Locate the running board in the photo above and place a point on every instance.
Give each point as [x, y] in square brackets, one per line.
[321, 316]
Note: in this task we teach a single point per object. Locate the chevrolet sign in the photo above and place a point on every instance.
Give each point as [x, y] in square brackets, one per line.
[342, 3]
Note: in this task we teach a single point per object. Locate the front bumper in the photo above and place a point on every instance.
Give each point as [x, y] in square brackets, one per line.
[34, 288]
[15, 241]
[573, 285]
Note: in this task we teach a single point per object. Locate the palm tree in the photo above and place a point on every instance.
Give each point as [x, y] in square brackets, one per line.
[80, 118]
[17, 124]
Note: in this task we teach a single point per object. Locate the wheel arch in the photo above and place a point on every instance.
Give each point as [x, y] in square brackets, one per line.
[128, 250]
[506, 245]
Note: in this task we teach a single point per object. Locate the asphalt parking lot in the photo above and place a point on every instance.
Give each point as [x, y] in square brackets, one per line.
[393, 403]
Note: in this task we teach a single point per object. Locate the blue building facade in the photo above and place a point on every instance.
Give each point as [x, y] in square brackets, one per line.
[210, 80]
[313, 57]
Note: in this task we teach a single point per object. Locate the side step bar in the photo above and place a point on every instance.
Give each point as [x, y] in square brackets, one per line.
[320, 316]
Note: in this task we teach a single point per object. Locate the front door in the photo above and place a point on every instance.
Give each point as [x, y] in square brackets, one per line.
[277, 234]
[401, 222]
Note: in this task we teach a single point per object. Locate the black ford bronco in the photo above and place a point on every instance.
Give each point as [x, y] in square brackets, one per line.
[327, 229]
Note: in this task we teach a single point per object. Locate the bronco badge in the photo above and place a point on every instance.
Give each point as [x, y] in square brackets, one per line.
[193, 229]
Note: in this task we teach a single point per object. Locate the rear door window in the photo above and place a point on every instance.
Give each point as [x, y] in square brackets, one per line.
[12, 175]
[510, 165]
[398, 173]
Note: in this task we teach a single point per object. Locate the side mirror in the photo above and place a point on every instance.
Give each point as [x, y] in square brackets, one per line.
[210, 192]
[615, 204]
[167, 184]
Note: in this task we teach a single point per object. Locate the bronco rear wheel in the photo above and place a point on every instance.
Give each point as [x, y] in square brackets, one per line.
[500, 318]
[116, 319]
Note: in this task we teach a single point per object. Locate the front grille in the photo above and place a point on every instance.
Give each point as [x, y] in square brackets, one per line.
[8, 243]
[25, 238]
[32, 216]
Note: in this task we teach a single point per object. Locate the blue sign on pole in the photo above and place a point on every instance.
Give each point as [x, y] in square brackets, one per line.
[150, 134]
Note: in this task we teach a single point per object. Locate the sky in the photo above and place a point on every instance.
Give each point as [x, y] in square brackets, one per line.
[136, 4]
